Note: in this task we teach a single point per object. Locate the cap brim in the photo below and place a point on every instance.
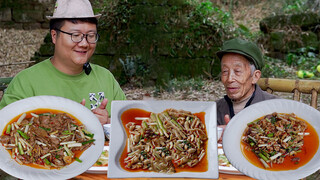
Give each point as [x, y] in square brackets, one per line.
[221, 53]
[52, 17]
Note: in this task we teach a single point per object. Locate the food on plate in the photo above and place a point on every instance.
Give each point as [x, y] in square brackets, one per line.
[223, 161]
[103, 159]
[279, 141]
[167, 142]
[46, 138]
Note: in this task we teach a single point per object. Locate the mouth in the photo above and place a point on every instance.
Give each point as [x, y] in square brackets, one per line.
[81, 52]
[232, 89]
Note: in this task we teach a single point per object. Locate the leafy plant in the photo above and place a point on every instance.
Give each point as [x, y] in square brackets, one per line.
[306, 60]
[274, 68]
[294, 6]
[134, 68]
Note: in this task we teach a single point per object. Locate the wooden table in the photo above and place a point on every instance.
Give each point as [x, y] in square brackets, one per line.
[87, 176]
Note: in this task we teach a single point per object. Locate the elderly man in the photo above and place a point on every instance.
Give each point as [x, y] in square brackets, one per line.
[241, 64]
[68, 73]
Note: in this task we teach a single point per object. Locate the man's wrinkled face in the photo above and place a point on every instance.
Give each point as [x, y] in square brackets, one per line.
[236, 76]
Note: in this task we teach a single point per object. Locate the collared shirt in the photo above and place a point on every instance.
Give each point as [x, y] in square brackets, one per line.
[225, 105]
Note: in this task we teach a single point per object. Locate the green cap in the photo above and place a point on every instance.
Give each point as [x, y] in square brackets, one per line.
[245, 48]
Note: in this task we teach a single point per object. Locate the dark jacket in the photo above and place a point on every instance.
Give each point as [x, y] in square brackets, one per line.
[224, 105]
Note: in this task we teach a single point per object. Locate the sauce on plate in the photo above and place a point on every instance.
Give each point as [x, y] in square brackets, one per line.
[129, 116]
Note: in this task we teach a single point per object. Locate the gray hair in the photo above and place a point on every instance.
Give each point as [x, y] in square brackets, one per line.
[252, 68]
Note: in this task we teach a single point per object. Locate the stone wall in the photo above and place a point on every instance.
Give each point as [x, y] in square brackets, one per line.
[25, 14]
[283, 34]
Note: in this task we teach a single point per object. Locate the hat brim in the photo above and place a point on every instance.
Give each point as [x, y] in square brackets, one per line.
[55, 17]
[221, 53]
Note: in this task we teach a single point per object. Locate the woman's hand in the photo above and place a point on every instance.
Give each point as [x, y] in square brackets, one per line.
[101, 112]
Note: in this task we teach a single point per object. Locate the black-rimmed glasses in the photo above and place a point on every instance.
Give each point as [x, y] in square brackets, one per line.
[77, 37]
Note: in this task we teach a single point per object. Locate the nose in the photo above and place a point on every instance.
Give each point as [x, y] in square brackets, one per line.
[231, 76]
[83, 42]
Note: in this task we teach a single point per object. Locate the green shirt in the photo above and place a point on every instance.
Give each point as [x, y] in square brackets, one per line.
[44, 79]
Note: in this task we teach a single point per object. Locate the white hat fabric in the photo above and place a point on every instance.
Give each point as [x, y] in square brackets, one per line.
[73, 9]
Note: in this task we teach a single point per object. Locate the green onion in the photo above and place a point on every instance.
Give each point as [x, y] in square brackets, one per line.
[24, 135]
[144, 124]
[8, 129]
[46, 129]
[45, 114]
[87, 142]
[179, 148]
[254, 122]
[77, 159]
[263, 157]
[273, 120]
[270, 135]
[66, 133]
[46, 161]
[87, 133]
[20, 148]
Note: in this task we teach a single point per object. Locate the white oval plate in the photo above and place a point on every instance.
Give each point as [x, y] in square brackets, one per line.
[88, 157]
[235, 128]
[118, 136]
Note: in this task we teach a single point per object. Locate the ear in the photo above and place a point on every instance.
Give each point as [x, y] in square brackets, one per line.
[54, 36]
[256, 76]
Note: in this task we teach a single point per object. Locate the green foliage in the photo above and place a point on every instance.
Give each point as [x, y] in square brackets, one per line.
[274, 68]
[134, 68]
[294, 6]
[306, 60]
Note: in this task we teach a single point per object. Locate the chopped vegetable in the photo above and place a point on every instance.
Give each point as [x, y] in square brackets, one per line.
[24, 135]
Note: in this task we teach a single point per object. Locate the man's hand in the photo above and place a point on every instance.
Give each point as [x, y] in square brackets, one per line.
[101, 112]
[227, 120]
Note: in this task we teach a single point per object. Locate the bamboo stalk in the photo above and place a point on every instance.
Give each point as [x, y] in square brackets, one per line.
[289, 85]
[314, 98]
[292, 86]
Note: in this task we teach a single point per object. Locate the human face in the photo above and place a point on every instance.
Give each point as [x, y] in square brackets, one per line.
[236, 76]
[69, 56]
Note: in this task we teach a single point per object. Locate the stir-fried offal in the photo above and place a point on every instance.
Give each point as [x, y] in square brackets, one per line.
[166, 140]
[274, 137]
[48, 139]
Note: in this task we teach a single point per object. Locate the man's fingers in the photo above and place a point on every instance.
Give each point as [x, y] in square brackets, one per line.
[83, 102]
[227, 118]
[103, 104]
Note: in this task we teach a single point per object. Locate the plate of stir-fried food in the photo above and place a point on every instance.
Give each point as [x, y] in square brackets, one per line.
[48, 137]
[163, 139]
[274, 139]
